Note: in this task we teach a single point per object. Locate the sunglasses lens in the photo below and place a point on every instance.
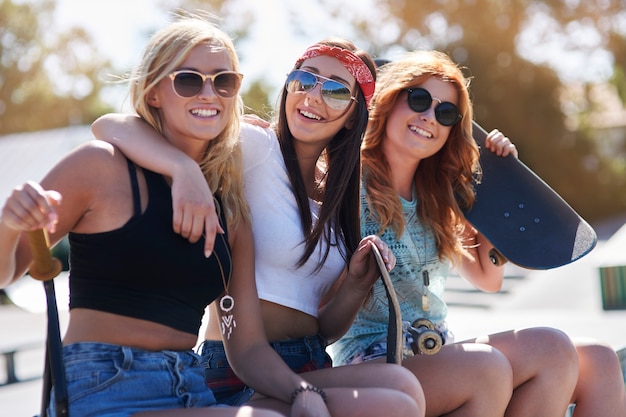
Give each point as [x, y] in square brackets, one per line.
[419, 100]
[447, 114]
[300, 82]
[335, 94]
[227, 84]
[188, 84]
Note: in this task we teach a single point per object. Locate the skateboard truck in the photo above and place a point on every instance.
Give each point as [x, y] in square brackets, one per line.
[426, 340]
[496, 257]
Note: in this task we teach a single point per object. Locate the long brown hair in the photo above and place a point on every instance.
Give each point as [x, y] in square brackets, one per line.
[339, 214]
[443, 182]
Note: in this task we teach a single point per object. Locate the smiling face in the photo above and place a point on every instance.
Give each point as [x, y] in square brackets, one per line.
[309, 118]
[190, 122]
[410, 136]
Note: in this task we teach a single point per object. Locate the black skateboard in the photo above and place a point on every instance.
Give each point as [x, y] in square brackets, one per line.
[528, 223]
[394, 330]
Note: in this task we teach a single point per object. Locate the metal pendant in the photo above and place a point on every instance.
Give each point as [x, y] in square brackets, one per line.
[228, 321]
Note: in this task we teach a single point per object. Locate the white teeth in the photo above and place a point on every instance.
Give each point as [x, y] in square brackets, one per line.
[204, 112]
[310, 115]
[420, 131]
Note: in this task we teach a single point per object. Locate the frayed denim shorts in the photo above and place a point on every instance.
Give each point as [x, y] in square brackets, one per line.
[117, 381]
[301, 355]
[379, 349]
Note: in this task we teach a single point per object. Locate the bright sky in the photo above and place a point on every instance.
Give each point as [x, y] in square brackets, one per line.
[118, 26]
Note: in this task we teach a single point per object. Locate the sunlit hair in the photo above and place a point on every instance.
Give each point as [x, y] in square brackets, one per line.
[442, 181]
[339, 214]
[164, 53]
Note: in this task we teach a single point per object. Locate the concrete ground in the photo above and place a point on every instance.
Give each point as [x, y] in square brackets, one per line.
[567, 298]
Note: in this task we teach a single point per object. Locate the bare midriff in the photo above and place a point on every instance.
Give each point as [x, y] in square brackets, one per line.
[280, 322]
[96, 326]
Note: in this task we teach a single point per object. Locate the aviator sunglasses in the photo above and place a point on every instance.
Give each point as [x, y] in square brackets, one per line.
[335, 94]
[188, 83]
[420, 100]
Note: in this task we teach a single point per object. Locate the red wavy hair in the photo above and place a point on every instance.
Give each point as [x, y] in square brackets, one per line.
[443, 182]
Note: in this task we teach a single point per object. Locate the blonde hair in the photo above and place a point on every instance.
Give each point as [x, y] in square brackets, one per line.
[442, 181]
[166, 50]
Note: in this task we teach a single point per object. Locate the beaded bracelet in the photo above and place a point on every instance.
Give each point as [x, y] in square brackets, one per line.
[311, 388]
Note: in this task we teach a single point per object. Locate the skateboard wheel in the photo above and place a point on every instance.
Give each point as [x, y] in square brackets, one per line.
[423, 323]
[496, 257]
[429, 342]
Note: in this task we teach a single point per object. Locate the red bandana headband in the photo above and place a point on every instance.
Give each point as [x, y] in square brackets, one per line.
[351, 62]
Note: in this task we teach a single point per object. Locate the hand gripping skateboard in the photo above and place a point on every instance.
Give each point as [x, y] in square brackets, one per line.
[528, 223]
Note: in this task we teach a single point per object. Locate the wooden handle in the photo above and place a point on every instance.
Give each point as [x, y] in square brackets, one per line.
[44, 266]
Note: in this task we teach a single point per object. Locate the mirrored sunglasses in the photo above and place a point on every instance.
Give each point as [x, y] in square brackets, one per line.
[335, 94]
[188, 83]
[420, 100]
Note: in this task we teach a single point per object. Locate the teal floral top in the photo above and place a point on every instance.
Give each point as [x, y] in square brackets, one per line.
[416, 254]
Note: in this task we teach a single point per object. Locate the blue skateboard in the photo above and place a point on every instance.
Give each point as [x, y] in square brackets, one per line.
[528, 223]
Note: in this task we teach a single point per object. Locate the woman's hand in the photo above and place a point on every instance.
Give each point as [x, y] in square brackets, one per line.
[30, 207]
[194, 208]
[499, 144]
[363, 264]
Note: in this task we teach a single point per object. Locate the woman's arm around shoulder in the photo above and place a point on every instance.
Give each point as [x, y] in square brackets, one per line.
[194, 207]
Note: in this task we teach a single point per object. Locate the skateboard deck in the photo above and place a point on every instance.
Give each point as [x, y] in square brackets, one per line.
[394, 330]
[528, 223]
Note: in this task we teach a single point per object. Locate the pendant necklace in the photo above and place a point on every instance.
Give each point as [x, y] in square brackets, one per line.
[227, 303]
[425, 274]
[425, 300]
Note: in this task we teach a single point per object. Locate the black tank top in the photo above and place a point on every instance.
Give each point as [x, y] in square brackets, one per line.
[145, 270]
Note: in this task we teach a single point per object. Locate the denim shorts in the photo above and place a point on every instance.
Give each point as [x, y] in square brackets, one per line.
[379, 349]
[301, 355]
[117, 381]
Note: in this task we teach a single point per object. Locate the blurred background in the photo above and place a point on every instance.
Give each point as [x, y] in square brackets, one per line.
[550, 74]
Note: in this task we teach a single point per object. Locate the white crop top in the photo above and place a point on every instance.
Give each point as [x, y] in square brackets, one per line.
[278, 237]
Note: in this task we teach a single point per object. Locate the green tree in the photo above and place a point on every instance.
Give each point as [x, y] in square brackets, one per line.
[520, 97]
[47, 80]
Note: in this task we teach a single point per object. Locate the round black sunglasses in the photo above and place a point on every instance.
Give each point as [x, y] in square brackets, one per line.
[420, 100]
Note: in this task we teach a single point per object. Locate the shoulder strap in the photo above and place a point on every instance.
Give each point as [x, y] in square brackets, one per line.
[135, 187]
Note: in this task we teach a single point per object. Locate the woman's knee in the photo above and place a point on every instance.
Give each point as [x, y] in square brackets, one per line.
[489, 365]
[550, 359]
[498, 367]
[551, 346]
[401, 379]
[597, 358]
